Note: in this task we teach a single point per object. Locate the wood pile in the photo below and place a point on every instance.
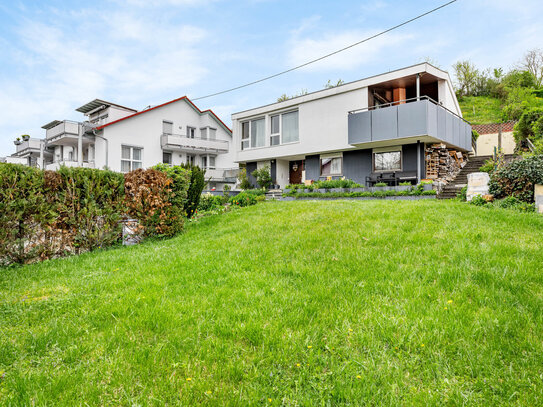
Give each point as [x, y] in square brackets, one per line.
[443, 163]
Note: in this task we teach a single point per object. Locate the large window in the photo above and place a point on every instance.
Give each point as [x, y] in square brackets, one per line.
[131, 158]
[275, 137]
[258, 133]
[289, 127]
[331, 166]
[245, 136]
[387, 161]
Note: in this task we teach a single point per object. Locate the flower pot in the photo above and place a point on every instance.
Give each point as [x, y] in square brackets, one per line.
[17, 142]
[26, 138]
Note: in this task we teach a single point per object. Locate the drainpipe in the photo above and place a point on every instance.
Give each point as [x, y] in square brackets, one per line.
[80, 146]
[107, 147]
[42, 146]
[418, 86]
[418, 162]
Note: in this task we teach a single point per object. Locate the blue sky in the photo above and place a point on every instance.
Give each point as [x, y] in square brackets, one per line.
[58, 55]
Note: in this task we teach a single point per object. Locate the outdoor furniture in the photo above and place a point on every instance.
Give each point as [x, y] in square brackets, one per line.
[387, 177]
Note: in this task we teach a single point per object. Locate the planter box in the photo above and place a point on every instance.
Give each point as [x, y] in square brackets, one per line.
[403, 187]
[308, 191]
[321, 190]
[339, 190]
[360, 189]
[286, 190]
[428, 187]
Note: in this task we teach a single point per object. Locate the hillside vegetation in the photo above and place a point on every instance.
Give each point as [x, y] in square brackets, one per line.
[481, 109]
[288, 303]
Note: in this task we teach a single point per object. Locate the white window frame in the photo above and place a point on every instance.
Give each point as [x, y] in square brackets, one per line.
[190, 159]
[331, 156]
[171, 158]
[278, 133]
[131, 159]
[281, 126]
[247, 141]
[167, 122]
[207, 158]
[191, 132]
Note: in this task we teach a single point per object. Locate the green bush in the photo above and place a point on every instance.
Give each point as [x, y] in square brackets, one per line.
[488, 166]
[405, 184]
[518, 179]
[462, 195]
[263, 177]
[180, 177]
[243, 199]
[196, 186]
[209, 202]
[256, 192]
[478, 200]
[243, 180]
[381, 184]
[513, 203]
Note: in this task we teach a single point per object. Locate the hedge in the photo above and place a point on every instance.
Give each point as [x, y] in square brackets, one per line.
[518, 179]
[46, 214]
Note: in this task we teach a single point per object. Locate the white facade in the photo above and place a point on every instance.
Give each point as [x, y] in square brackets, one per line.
[122, 139]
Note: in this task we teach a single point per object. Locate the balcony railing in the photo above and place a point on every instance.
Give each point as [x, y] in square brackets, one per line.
[222, 174]
[64, 128]
[30, 145]
[411, 118]
[181, 142]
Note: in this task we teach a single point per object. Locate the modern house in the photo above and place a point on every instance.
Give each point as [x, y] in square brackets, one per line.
[370, 130]
[123, 139]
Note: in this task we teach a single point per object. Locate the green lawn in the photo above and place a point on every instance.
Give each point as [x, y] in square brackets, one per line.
[294, 303]
[481, 109]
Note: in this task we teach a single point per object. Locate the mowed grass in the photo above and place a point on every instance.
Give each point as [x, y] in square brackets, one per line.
[288, 303]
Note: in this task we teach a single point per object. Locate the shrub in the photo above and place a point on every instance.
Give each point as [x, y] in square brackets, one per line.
[196, 186]
[478, 200]
[210, 202]
[180, 183]
[462, 195]
[256, 192]
[149, 197]
[511, 202]
[381, 184]
[243, 180]
[488, 166]
[405, 184]
[518, 179]
[337, 183]
[263, 177]
[243, 199]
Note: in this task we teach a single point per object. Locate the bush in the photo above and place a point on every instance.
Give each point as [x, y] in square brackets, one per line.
[462, 195]
[488, 166]
[180, 177]
[263, 177]
[243, 180]
[149, 194]
[381, 184]
[196, 186]
[513, 203]
[243, 199]
[209, 202]
[518, 179]
[256, 192]
[478, 200]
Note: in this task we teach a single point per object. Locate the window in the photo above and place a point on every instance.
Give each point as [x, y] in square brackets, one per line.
[208, 161]
[190, 132]
[331, 166]
[289, 128]
[167, 158]
[387, 161]
[212, 134]
[167, 127]
[131, 158]
[203, 133]
[245, 136]
[258, 130]
[275, 135]
[190, 159]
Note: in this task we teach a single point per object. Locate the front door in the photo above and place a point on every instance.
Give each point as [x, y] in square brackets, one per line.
[296, 168]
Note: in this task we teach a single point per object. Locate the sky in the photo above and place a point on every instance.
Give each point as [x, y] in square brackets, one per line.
[58, 55]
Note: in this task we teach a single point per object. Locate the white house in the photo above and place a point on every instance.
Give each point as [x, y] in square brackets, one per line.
[370, 130]
[123, 139]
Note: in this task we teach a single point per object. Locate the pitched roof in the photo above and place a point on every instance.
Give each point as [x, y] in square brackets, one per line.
[494, 128]
[201, 112]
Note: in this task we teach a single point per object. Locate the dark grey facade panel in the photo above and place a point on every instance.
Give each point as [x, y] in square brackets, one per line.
[412, 119]
[357, 165]
[273, 171]
[384, 124]
[359, 128]
[250, 168]
[432, 120]
[312, 167]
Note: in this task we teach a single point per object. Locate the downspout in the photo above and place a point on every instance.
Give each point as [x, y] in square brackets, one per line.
[42, 146]
[107, 147]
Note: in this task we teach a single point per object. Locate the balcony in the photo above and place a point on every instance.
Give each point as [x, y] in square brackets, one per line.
[178, 142]
[222, 174]
[415, 119]
[29, 146]
[61, 132]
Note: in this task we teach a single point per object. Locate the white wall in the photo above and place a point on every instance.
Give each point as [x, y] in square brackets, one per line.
[145, 130]
[487, 142]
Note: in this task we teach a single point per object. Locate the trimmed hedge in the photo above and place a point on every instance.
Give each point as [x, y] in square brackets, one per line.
[46, 214]
[518, 179]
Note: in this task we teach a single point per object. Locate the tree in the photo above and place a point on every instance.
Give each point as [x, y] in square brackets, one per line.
[330, 85]
[533, 63]
[263, 176]
[466, 77]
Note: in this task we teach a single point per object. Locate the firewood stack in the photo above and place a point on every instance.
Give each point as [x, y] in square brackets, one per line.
[443, 164]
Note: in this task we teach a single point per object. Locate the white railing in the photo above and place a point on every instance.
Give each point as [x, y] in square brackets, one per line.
[66, 127]
[182, 142]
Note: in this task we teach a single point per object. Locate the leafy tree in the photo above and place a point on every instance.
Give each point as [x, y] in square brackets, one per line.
[243, 180]
[530, 125]
[466, 77]
[533, 63]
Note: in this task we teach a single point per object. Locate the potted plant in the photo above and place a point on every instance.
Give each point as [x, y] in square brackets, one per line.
[25, 137]
[17, 141]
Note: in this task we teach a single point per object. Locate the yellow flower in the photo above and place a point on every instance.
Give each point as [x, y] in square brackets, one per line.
[208, 392]
[445, 307]
[188, 379]
[422, 345]
[309, 346]
[269, 400]
[350, 330]
[297, 364]
[450, 301]
[359, 377]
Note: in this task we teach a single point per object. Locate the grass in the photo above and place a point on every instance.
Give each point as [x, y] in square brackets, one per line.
[481, 109]
[294, 303]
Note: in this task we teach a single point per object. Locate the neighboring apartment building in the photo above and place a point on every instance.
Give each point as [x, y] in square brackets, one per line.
[368, 130]
[495, 137]
[123, 139]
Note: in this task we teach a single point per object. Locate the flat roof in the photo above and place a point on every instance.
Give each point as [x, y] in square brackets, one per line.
[52, 124]
[96, 103]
